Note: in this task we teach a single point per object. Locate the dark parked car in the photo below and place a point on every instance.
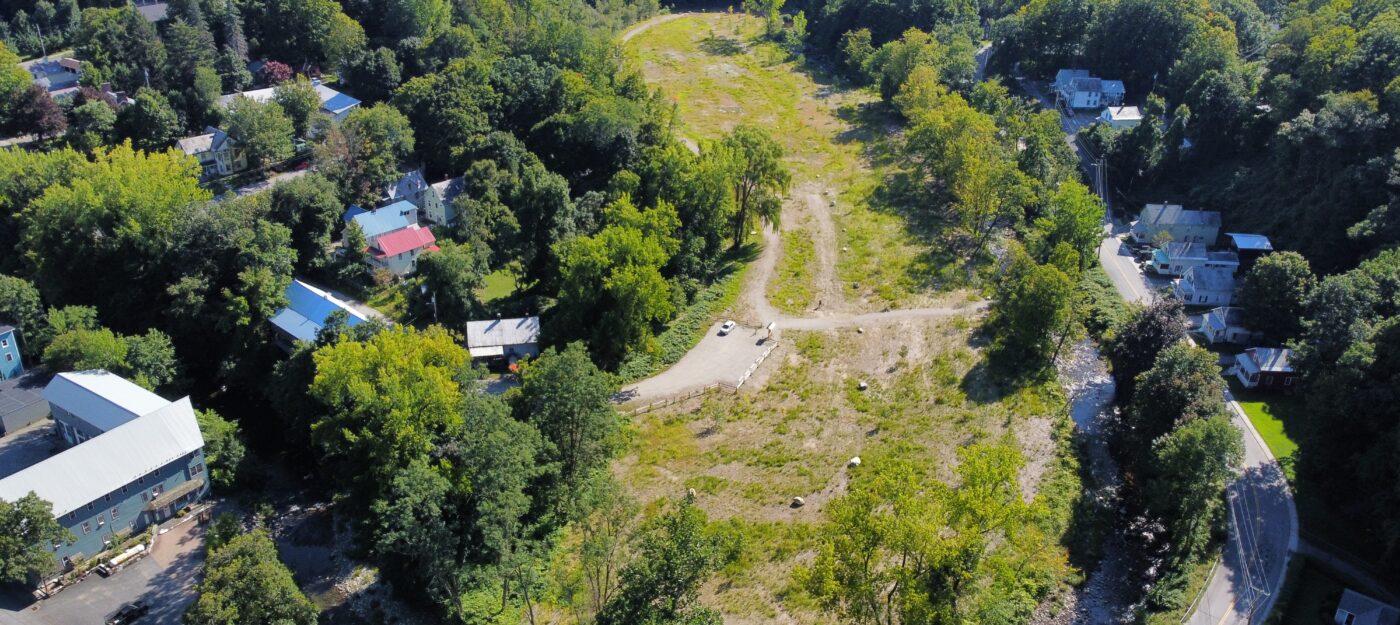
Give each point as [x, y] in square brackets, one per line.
[129, 613]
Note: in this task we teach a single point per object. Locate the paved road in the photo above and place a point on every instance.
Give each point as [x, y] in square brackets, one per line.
[714, 360]
[1263, 520]
[1263, 536]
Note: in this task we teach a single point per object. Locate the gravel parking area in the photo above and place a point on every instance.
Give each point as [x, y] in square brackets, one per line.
[715, 359]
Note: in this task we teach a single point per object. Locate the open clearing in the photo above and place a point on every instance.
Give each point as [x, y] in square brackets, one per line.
[719, 76]
[791, 430]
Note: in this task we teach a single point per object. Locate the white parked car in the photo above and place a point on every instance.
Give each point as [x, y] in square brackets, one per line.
[727, 327]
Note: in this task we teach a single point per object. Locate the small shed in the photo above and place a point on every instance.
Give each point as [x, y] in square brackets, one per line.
[504, 339]
[1249, 247]
[1266, 368]
[1121, 116]
[1358, 609]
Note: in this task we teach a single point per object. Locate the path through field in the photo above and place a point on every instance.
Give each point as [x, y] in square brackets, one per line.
[806, 117]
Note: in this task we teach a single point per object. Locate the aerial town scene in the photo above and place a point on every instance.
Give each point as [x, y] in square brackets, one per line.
[632, 312]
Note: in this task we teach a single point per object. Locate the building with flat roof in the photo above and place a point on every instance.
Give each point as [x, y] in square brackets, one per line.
[144, 463]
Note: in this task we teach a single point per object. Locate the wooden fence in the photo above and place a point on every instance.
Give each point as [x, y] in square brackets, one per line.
[718, 386]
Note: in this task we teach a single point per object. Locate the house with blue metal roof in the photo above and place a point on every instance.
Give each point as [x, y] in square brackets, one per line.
[308, 308]
[382, 221]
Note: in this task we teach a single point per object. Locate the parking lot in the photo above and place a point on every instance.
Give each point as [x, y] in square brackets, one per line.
[1125, 273]
[164, 580]
[26, 447]
[716, 359]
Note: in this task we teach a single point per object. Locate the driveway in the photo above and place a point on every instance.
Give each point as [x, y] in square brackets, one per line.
[165, 580]
[716, 359]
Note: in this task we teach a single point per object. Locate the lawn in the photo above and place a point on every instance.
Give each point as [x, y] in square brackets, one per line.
[497, 285]
[1279, 419]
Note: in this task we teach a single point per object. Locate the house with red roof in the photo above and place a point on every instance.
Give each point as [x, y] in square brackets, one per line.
[398, 251]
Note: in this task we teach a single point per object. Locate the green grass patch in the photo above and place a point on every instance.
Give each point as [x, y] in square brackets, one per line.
[498, 284]
[390, 299]
[791, 289]
[1279, 419]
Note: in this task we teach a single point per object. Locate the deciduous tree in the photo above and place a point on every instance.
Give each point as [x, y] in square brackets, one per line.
[28, 531]
[246, 584]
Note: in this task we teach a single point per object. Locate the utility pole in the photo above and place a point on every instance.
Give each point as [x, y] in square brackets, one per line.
[43, 47]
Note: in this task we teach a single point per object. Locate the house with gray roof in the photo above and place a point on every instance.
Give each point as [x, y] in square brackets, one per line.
[1358, 609]
[1226, 325]
[1206, 286]
[504, 339]
[1176, 224]
[59, 77]
[218, 154]
[142, 463]
[1268, 368]
[1078, 89]
[447, 192]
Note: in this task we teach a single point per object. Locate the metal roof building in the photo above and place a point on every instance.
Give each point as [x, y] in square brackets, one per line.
[103, 465]
[307, 310]
[100, 398]
[503, 337]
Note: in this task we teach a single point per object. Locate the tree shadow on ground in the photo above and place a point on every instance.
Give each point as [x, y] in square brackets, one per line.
[719, 45]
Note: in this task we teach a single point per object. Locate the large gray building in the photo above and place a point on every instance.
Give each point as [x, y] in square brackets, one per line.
[135, 459]
[1179, 224]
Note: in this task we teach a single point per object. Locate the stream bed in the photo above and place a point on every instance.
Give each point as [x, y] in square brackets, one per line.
[1109, 592]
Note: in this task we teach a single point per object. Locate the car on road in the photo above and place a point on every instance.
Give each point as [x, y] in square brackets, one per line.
[129, 613]
[727, 327]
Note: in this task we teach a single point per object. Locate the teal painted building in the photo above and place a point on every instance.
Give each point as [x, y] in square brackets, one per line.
[134, 459]
[11, 366]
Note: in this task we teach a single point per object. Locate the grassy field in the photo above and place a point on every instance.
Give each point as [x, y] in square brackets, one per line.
[748, 454]
[720, 76]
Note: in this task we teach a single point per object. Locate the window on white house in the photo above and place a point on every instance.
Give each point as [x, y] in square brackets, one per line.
[4, 342]
[101, 520]
[116, 513]
[86, 528]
